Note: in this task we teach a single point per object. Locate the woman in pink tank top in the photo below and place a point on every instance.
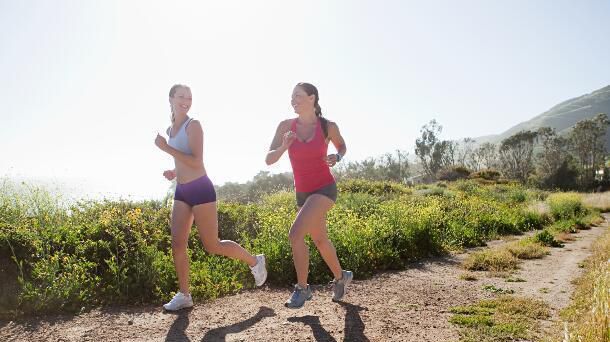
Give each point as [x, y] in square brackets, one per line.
[306, 139]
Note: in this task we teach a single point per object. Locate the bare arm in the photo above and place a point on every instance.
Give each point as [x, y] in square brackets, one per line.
[334, 135]
[281, 141]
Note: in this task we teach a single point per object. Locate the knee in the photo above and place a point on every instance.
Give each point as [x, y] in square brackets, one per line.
[179, 246]
[295, 235]
[212, 247]
[320, 241]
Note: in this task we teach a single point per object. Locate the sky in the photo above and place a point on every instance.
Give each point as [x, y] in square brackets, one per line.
[85, 83]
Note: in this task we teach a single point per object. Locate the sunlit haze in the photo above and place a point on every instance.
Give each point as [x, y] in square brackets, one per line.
[86, 82]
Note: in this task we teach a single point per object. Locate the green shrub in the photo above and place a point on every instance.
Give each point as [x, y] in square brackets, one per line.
[565, 205]
[376, 188]
[545, 238]
[453, 173]
[488, 174]
[60, 257]
[497, 260]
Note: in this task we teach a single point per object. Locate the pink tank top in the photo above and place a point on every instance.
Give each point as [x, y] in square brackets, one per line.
[308, 161]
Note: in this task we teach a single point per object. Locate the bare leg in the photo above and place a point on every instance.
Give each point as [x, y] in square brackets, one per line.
[308, 221]
[206, 219]
[182, 220]
[319, 235]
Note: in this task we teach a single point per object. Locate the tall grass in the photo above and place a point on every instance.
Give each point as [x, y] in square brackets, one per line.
[588, 317]
[600, 201]
[566, 205]
[506, 318]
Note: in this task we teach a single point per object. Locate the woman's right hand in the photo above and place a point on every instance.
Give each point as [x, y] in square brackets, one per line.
[288, 139]
[169, 174]
[161, 142]
[282, 140]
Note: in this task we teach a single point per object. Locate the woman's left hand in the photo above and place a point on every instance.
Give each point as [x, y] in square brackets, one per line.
[169, 174]
[331, 160]
[161, 142]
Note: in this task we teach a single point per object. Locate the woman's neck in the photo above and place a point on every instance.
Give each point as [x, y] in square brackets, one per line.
[308, 117]
[180, 119]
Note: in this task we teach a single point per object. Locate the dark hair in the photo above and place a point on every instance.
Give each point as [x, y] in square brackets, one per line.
[310, 89]
[172, 92]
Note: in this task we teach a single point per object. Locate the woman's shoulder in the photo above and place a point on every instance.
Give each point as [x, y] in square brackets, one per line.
[192, 125]
[331, 128]
[328, 122]
[285, 124]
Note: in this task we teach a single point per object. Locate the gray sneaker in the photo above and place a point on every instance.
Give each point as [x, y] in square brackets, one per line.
[340, 286]
[299, 297]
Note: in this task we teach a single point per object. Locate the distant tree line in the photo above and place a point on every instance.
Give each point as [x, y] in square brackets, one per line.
[262, 184]
[538, 157]
[388, 167]
[543, 158]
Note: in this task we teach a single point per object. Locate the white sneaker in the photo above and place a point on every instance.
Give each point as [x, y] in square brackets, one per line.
[259, 271]
[180, 301]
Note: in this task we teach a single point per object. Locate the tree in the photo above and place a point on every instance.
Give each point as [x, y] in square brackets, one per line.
[265, 183]
[465, 151]
[448, 153]
[587, 141]
[232, 191]
[554, 165]
[487, 155]
[393, 167]
[431, 151]
[516, 155]
[262, 184]
[551, 160]
[365, 169]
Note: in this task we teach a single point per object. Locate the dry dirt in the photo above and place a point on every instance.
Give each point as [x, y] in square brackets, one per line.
[411, 305]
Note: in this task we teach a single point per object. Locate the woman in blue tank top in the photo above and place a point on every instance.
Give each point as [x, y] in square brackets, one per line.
[195, 198]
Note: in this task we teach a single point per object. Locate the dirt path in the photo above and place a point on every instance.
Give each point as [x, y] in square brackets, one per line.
[550, 278]
[411, 305]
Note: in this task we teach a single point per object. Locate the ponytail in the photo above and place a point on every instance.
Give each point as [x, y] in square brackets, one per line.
[318, 109]
[172, 92]
[323, 120]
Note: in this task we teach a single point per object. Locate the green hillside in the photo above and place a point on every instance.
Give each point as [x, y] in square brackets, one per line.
[563, 116]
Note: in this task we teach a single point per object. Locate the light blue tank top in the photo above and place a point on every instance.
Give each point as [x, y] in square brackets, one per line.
[180, 141]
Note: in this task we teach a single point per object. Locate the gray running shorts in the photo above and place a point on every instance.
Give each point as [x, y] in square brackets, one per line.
[329, 191]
